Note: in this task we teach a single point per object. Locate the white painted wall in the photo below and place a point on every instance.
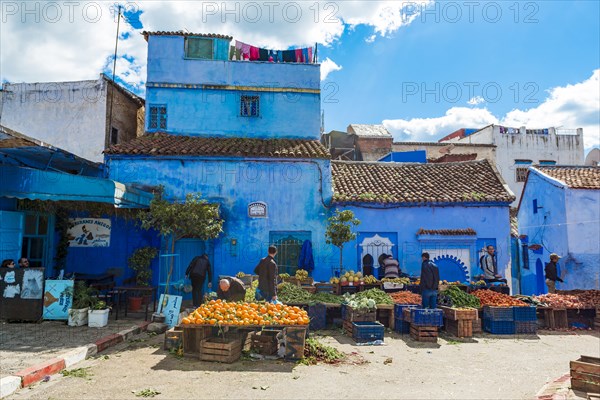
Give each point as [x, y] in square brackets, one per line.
[565, 149]
[68, 115]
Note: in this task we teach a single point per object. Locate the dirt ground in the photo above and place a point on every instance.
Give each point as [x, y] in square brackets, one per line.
[487, 367]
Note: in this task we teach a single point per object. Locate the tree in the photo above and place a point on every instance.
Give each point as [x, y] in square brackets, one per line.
[339, 230]
[196, 217]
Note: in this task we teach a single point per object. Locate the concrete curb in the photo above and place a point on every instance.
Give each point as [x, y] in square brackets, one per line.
[36, 373]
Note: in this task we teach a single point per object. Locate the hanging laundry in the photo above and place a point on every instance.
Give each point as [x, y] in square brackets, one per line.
[299, 55]
[305, 58]
[310, 55]
[263, 55]
[244, 48]
[254, 53]
[289, 56]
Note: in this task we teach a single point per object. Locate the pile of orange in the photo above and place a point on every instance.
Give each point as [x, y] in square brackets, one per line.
[218, 312]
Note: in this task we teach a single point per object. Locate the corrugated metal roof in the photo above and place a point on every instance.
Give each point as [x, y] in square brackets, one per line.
[182, 33]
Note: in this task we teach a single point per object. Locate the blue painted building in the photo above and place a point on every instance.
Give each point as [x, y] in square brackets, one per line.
[559, 212]
[33, 170]
[244, 135]
[451, 210]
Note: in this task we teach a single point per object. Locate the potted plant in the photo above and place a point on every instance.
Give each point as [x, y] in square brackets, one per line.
[83, 298]
[98, 315]
[140, 262]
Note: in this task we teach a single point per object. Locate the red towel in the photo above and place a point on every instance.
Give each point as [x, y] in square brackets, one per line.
[254, 53]
[299, 56]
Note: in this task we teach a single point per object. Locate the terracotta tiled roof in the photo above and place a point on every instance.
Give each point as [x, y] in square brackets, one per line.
[181, 33]
[163, 144]
[397, 183]
[444, 144]
[576, 177]
[448, 232]
[453, 158]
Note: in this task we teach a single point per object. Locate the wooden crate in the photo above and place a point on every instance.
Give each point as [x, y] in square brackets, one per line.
[354, 315]
[456, 314]
[406, 316]
[226, 350]
[585, 374]
[295, 337]
[597, 319]
[192, 338]
[555, 318]
[173, 339]
[347, 327]
[292, 279]
[476, 323]
[462, 328]
[309, 289]
[308, 281]
[265, 342]
[424, 333]
[325, 287]
[385, 315]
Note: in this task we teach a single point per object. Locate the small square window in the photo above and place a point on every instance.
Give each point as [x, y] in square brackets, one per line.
[250, 106]
[158, 117]
[200, 48]
[114, 136]
[521, 174]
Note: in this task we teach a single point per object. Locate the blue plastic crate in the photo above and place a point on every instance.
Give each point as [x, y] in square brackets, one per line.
[498, 313]
[318, 316]
[367, 331]
[427, 317]
[525, 314]
[399, 309]
[343, 310]
[526, 327]
[499, 327]
[401, 326]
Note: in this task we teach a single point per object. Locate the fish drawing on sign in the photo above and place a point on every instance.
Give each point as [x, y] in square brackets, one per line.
[32, 284]
[49, 299]
[11, 291]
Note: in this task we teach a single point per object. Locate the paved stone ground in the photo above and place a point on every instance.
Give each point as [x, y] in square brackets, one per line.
[25, 344]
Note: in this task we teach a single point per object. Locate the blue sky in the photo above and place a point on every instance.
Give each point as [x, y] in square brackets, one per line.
[419, 68]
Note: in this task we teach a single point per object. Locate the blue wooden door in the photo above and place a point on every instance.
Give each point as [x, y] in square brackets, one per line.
[11, 234]
[539, 277]
[185, 251]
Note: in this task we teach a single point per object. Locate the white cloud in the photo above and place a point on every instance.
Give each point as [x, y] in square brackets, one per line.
[328, 66]
[570, 106]
[432, 129]
[75, 40]
[475, 101]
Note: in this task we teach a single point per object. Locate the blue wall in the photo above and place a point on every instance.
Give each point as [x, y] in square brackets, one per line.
[293, 191]
[566, 223]
[416, 156]
[198, 112]
[192, 108]
[488, 222]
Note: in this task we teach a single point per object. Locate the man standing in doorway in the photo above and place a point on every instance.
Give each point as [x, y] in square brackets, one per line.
[551, 271]
[430, 280]
[267, 277]
[197, 270]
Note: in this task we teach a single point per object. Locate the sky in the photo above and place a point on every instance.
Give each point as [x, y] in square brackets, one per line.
[422, 68]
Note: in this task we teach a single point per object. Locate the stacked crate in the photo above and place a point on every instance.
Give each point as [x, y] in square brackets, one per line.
[585, 374]
[367, 331]
[226, 350]
[424, 324]
[318, 316]
[499, 320]
[525, 320]
[459, 321]
[350, 315]
[401, 325]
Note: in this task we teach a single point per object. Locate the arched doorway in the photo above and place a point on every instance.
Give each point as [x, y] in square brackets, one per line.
[452, 269]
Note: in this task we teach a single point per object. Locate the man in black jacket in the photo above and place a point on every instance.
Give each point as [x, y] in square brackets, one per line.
[197, 270]
[231, 289]
[430, 280]
[552, 273]
[267, 277]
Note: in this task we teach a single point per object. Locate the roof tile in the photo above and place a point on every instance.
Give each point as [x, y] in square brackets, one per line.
[395, 183]
[576, 177]
[164, 144]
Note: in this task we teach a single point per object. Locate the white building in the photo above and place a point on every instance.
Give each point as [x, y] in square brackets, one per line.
[75, 116]
[519, 148]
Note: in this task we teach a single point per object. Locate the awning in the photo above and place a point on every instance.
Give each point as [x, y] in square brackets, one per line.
[34, 184]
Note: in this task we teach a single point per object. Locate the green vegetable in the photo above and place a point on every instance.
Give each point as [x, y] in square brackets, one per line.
[367, 299]
[290, 293]
[460, 298]
[326, 298]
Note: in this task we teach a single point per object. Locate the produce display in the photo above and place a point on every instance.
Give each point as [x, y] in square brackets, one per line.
[334, 280]
[351, 276]
[404, 280]
[325, 298]
[490, 298]
[218, 312]
[370, 280]
[361, 303]
[478, 283]
[445, 282]
[378, 296]
[290, 293]
[406, 297]
[459, 298]
[251, 292]
[284, 276]
[301, 274]
[585, 299]
[240, 275]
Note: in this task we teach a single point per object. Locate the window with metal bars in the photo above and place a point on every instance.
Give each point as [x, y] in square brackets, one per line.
[250, 106]
[521, 174]
[201, 48]
[158, 117]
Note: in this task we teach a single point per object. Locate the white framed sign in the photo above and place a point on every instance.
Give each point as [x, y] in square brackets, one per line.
[90, 232]
[257, 209]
